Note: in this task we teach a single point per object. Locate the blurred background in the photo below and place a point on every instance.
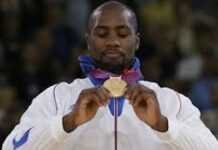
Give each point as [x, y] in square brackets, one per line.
[40, 41]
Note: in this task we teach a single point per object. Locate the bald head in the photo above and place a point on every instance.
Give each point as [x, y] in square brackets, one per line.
[113, 6]
[112, 36]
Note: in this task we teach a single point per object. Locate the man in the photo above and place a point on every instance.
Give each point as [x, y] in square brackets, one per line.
[80, 115]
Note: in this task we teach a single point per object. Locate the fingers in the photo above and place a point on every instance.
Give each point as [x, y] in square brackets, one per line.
[145, 104]
[103, 95]
[139, 101]
[86, 98]
[136, 92]
[98, 94]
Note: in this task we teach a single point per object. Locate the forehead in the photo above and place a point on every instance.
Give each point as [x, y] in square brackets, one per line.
[112, 18]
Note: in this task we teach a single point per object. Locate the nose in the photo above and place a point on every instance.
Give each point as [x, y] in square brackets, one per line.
[112, 41]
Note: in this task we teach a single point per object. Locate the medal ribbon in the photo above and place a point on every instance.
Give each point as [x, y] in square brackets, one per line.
[98, 76]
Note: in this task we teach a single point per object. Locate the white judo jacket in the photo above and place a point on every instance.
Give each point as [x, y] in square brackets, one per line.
[41, 126]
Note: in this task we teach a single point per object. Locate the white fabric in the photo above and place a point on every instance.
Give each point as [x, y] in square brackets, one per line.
[44, 116]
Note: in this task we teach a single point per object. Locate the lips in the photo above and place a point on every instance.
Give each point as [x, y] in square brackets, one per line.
[112, 53]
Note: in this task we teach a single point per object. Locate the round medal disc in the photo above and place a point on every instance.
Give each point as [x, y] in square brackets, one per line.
[116, 86]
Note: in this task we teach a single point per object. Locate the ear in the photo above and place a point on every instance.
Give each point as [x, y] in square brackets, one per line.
[137, 41]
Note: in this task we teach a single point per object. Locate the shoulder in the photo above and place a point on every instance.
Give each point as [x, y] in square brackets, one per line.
[52, 91]
[166, 91]
[157, 88]
[64, 88]
[81, 83]
[69, 91]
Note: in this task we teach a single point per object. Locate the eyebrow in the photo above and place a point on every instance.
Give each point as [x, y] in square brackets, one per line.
[117, 27]
[123, 27]
[100, 27]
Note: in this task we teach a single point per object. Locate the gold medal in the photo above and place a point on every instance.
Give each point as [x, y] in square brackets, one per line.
[116, 86]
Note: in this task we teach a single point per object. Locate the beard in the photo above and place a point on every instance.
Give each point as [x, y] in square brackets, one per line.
[113, 66]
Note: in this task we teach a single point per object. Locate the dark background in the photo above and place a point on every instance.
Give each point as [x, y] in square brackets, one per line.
[40, 41]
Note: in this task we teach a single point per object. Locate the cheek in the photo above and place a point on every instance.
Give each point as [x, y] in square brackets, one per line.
[95, 47]
[129, 46]
[97, 44]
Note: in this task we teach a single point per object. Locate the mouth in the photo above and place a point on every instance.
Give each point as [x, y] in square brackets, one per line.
[112, 53]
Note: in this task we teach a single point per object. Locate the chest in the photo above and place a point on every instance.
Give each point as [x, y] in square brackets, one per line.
[98, 133]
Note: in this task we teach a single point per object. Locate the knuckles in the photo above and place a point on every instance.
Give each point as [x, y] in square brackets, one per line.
[88, 92]
[93, 93]
[93, 90]
[142, 89]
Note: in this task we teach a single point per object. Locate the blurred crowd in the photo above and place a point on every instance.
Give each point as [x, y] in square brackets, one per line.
[40, 41]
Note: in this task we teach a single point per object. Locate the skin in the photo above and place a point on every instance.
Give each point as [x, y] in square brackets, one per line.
[112, 40]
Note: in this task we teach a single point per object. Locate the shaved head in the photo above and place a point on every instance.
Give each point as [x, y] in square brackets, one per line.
[113, 6]
[112, 36]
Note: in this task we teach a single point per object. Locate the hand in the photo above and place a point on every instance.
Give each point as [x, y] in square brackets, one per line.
[86, 107]
[146, 106]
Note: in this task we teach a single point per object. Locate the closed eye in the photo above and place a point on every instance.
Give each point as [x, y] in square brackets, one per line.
[123, 32]
[101, 32]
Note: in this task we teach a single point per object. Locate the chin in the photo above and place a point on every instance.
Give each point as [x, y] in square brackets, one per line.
[113, 61]
[112, 66]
